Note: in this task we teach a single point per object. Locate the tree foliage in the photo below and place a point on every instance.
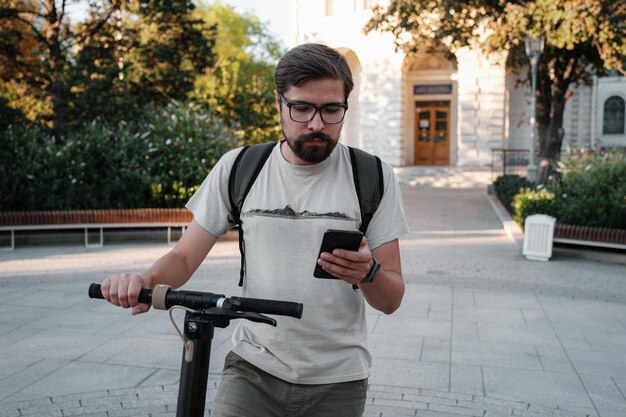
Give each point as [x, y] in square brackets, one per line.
[126, 54]
[239, 86]
[582, 38]
[148, 96]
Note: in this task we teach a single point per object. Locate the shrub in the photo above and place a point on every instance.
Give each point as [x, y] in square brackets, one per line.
[589, 189]
[592, 191]
[183, 143]
[531, 201]
[506, 186]
[156, 162]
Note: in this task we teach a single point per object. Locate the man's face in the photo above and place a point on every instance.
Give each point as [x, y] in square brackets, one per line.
[310, 142]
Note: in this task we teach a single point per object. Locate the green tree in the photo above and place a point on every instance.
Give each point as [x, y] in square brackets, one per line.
[239, 86]
[124, 56]
[582, 38]
[175, 47]
[100, 86]
[42, 69]
[18, 51]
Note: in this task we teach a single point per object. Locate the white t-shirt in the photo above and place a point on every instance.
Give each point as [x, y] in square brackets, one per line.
[284, 216]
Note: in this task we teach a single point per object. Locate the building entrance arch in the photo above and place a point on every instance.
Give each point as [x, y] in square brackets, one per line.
[429, 103]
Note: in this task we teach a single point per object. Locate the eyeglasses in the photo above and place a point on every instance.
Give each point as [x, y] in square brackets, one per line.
[304, 112]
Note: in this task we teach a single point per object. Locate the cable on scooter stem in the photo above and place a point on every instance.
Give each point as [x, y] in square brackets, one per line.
[201, 300]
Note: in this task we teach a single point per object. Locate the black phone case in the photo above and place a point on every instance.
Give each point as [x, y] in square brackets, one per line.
[337, 239]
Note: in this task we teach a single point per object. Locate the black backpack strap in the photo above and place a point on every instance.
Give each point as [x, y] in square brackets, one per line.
[243, 174]
[367, 171]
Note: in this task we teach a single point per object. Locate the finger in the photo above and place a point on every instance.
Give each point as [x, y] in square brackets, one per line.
[113, 289]
[134, 288]
[122, 291]
[104, 288]
[345, 273]
[362, 255]
[335, 259]
[352, 260]
[139, 309]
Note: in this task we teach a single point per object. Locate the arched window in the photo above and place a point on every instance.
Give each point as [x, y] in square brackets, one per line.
[614, 109]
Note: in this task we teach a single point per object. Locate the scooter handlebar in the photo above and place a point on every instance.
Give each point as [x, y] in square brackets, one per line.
[200, 300]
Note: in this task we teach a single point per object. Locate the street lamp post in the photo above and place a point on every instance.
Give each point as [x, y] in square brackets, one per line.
[534, 48]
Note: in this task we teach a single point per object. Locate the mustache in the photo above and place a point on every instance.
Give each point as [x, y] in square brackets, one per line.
[307, 137]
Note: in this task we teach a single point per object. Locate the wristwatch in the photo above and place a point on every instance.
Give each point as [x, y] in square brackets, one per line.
[373, 272]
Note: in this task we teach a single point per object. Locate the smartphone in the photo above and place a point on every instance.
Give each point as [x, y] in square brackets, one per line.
[337, 239]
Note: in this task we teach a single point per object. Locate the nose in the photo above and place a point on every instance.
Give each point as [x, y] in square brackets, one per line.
[316, 123]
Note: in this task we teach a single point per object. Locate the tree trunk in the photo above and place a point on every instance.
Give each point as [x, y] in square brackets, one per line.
[58, 86]
[543, 113]
[561, 68]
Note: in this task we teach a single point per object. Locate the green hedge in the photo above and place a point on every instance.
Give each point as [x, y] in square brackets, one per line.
[506, 186]
[592, 191]
[589, 190]
[529, 201]
[156, 162]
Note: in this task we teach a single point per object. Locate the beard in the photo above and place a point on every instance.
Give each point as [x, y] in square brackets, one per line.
[312, 153]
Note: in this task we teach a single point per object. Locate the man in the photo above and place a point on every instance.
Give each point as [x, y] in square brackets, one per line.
[316, 366]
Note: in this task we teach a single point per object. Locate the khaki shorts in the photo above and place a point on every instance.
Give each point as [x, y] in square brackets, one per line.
[247, 391]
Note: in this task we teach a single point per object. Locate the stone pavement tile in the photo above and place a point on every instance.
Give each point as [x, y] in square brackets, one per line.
[554, 359]
[604, 392]
[411, 375]
[30, 375]
[620, 383]
[467, 379]
[13, 364]
[523, 334]
[35, 407]
[414, 309]
[435, 349]
[602, 412]
[159, 352]
[590, 362]
[76, 377]
[18, 316]
[489, 314]
[456, 410]
[507, 300]
[465, 331]
[53, 344]
[423, 295]
[545, 412]
[161, 376]
[398, 347]
[536, 387]
[54, 299]
[612, 341]
[501, 355]
[389, 411]
[415, 327]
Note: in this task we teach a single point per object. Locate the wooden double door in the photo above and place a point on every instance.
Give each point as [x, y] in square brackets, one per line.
[432, 133]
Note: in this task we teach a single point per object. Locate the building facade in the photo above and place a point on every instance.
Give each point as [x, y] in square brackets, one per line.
[428, 110]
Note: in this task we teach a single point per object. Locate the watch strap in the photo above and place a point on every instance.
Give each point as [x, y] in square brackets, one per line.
[373, 272]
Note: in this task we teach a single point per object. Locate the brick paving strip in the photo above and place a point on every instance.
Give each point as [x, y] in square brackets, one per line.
[383, 401]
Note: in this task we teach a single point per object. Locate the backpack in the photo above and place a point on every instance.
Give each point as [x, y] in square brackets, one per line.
[367, 173]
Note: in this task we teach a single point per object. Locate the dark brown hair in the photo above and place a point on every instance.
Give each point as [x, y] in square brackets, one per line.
[312, 61]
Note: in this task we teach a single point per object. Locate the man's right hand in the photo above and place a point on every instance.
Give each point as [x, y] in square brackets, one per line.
[123, 290]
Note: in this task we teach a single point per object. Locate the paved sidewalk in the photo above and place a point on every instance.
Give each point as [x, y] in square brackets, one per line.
[481, 332]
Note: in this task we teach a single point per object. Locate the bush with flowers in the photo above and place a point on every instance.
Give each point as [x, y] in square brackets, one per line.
[588, 188]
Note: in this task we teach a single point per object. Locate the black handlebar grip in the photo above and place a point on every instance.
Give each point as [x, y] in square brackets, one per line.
[282, 308]
[94, 291]
[145, 296]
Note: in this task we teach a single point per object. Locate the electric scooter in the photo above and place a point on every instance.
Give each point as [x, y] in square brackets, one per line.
[203, 312]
